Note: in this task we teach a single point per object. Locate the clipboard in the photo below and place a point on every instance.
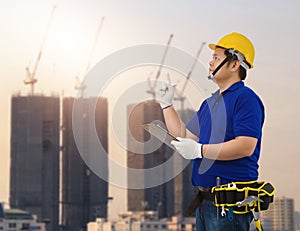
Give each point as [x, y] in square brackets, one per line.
[160, 133]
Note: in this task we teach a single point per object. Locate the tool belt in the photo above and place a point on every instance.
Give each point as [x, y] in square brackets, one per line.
[229, 195]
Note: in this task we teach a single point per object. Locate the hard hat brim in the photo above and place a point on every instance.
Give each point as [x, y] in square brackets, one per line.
[212, 46]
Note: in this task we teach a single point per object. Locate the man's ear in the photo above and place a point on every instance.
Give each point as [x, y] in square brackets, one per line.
[235, 65]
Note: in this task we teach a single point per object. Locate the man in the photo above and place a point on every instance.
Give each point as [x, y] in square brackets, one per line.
[224, 137]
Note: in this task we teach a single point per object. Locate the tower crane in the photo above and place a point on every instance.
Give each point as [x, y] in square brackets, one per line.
[80, 86]
[30, 74]
[152, 87]
[180, 97]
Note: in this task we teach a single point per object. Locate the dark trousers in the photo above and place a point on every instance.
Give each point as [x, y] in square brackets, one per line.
[206, 219]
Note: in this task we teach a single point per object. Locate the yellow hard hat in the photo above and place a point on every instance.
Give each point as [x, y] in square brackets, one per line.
[239, 43]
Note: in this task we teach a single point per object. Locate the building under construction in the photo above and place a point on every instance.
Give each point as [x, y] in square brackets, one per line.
[84, 194]
[159, 198]
[34, 171]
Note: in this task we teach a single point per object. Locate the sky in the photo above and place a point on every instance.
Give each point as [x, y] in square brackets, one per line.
[272, 25]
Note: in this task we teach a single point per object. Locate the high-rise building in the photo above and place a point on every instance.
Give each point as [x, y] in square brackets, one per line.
[159, 198]
[184, 192]
[280, 215]
[34, 171]
[84, 194]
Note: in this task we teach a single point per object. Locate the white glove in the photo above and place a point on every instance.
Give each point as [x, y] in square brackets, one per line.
[188, 148]
[164, 93]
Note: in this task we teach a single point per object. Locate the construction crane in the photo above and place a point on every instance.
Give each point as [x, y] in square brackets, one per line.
[152, 87]
[80, 86]
[179, 95]
[30, 75]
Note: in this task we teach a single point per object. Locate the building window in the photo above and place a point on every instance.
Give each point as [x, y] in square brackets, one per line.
[25, 225]
[12, 225]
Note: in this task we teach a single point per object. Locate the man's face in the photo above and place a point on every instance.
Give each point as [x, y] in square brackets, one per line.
[217, 58]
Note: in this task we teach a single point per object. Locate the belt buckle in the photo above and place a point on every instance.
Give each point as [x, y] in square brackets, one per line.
[202, 189]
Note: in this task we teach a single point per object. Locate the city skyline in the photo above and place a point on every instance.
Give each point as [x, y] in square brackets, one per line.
[273, 31]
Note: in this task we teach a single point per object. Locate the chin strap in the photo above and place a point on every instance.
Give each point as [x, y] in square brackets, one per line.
[212, 75]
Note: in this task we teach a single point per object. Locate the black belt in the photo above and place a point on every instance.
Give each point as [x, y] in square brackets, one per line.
[195, 203]
[207, 196]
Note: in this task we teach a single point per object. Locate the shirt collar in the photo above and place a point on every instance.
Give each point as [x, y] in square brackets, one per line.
[233, 87]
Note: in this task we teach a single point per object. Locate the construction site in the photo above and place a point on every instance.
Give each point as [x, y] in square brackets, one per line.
[80, 159]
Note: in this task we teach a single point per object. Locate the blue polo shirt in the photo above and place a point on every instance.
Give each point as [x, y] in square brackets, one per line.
[238, 111]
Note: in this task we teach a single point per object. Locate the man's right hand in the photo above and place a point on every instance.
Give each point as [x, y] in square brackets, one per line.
[188, 148]
[164, 93]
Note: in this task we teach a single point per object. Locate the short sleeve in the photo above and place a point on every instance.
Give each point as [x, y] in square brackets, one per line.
[248, 116]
